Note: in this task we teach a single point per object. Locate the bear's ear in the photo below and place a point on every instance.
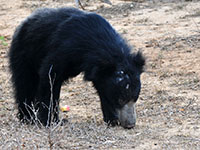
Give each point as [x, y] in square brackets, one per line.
[139, 60]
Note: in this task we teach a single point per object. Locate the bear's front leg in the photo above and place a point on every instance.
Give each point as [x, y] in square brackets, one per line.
[109, 112]
[48, 98]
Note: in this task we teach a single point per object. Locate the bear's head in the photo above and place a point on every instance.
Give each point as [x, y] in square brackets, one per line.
[118, 85]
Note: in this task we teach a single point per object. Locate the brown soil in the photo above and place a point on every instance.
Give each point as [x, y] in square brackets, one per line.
[168, 110]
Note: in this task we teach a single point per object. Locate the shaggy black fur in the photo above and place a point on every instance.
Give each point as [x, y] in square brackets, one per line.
[53, 45]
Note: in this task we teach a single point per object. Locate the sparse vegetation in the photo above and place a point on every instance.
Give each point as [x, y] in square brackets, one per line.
[3, 41]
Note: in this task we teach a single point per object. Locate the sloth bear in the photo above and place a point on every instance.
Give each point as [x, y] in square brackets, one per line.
[53, 45]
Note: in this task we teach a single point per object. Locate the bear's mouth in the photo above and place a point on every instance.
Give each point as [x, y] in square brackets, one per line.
[127, 115]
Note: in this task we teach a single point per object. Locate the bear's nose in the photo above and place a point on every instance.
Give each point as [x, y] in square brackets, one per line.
[129, 126]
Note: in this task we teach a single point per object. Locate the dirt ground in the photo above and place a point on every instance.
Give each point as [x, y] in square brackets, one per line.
[168, 110]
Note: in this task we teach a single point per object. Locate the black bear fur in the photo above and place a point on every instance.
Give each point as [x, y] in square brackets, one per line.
[53, 45]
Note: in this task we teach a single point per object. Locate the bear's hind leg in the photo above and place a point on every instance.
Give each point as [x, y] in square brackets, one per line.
[25, 82]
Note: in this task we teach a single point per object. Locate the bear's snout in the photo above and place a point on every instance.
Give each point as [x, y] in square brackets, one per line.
[127, 115]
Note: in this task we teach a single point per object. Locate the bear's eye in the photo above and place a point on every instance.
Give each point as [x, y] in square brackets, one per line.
[119, 79]
[119, 76]
[120, 73]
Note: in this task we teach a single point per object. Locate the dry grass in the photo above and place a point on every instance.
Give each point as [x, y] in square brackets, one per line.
[168, 109]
